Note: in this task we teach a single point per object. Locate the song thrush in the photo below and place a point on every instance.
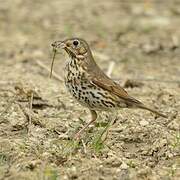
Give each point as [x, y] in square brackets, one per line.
[89, 85]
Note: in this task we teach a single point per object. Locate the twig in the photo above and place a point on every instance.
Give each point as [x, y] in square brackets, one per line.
[110, 69]
[30, 107]
[55, 75]
[84, 146]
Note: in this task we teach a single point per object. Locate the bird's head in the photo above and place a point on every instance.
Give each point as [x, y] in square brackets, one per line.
[75, 47]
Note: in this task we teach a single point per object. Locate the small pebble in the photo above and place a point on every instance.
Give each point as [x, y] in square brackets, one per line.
[143, 123]
[124, 166]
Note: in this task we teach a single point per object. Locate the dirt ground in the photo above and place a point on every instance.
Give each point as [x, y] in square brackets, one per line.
[38, 116]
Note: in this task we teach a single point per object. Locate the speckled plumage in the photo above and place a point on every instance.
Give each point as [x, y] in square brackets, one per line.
[89, 85]
[87, 93]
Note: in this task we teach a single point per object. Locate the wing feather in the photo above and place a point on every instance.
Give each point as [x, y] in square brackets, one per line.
[116, 89]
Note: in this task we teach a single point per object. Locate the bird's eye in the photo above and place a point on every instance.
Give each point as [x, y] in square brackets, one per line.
[75, 42]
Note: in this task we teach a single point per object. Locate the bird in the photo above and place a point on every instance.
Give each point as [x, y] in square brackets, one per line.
[89, 85]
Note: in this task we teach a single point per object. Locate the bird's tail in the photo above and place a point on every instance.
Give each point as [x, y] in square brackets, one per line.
[132, 102]
[142, 106]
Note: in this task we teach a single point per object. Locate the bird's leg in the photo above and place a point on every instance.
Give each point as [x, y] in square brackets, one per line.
[111, 118]
[93, 118]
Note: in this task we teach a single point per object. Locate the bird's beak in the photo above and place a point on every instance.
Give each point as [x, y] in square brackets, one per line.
[58, 44]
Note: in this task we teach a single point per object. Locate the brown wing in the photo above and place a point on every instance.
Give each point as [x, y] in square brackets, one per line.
[114, 88]
[110, 86]
[99, 78]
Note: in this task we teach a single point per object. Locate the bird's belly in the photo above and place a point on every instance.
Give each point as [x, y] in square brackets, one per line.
[91, 96]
